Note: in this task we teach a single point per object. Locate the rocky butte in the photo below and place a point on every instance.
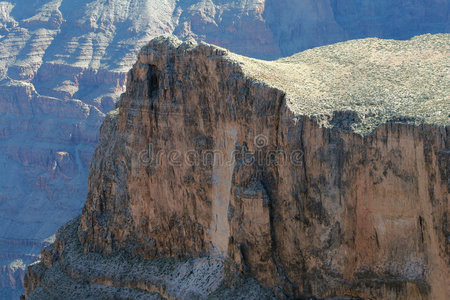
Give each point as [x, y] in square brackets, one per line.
[63, 65]
[329, 178]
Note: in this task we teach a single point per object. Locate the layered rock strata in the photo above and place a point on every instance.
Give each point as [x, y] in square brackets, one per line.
[323, 174]
[63, 65]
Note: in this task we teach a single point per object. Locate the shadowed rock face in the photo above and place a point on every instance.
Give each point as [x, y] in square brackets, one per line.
[301, 24]
[63, 65]
[219, 156]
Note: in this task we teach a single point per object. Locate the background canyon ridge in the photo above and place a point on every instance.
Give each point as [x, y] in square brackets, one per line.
[63, 66]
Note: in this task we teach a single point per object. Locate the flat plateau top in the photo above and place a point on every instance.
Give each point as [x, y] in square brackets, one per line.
[380, 80]
[358, 83]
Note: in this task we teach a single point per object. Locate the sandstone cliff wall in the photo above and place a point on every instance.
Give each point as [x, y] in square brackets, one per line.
[58, 54]
[202, 160]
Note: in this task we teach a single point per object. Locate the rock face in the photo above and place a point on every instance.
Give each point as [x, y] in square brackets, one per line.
[323, 174]
[122, 276]
[63, 65]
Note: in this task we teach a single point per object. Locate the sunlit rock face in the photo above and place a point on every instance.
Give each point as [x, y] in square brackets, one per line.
[63, 65]
[323, 174]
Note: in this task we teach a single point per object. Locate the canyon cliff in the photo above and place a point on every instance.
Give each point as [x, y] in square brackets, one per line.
[324, 174]
[63, 65]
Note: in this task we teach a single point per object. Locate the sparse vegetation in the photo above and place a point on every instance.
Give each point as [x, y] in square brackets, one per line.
[381, 80]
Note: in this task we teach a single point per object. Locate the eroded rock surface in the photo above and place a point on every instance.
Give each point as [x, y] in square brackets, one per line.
[310, 174]
[123, 276]
[63, 65]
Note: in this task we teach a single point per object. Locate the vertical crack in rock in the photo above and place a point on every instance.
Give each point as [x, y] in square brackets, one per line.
[221, 190]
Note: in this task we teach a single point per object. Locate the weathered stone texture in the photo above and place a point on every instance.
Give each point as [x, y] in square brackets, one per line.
[63, 65]
[307, 210]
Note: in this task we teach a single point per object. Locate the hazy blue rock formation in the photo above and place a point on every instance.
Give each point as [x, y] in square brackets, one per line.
[302, 24]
